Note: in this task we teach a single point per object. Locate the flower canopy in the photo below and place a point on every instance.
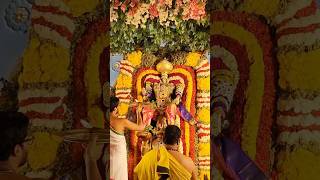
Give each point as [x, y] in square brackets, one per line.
[150, 25]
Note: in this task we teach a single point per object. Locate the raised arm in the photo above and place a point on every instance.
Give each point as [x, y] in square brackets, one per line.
[138, 113]
[91, 156]
[133, 126]
[194, 173]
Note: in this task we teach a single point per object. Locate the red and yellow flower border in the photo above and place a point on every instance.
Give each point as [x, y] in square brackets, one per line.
[199, 150]
[255, 131]
[88, 43]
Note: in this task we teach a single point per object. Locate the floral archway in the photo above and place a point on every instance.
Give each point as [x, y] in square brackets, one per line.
[147, 31]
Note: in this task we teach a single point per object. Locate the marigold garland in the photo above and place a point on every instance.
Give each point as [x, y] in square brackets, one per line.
[80, 7]
[204, 149]
[123, 108]
[123, 82]
[204, 115]
[92, 78]
[38, 60]
[298, 54]
[266, 8]
[203, 83]
[138, 88]
[47, 65]
[40, 146]
[88, 33]
[291, 71]
[299, 164]
[246, 29]
[190, 90]
[251, 124]
[193, 59]
[135, 58]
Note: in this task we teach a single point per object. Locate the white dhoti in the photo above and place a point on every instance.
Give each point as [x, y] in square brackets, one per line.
[118, 156]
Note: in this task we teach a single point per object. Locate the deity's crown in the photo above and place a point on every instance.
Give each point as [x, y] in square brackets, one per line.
[164, 66]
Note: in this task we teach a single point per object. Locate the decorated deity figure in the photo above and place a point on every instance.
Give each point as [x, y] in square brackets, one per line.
[162, 105]
[164, 108]
[175, 92]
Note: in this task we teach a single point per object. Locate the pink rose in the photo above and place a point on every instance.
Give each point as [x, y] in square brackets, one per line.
[116, 4]
[123, 7]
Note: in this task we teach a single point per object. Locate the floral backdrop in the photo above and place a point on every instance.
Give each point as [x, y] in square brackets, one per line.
[147, 31]
[265, 66]
[194, 71]
[180, 25]
[266, 86]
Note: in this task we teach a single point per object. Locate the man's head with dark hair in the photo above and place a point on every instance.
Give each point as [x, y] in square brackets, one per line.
[13, 133]
[114, 102]
[172, 135]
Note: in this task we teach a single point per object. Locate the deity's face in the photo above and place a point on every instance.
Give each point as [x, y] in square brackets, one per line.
[163, 93]
[164, 78]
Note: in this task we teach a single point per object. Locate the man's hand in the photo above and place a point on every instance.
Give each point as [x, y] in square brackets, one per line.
[139, 108]
[91, 156]
[177, 100]
[93, 150]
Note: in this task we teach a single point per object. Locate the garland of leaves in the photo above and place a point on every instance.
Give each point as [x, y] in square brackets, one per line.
[150, 34]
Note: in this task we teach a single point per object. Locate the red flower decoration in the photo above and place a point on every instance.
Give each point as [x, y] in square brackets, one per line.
[123, 7]
[262, 33]
[161, 2]
[195, 11]
[134, 3]
[116, 4]
[133, 11]
[153, 11]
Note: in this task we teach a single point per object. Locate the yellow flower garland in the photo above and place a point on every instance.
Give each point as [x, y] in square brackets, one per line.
[41, 153]
[123, 82]
[80, 7]
[300, 70]
[38, 60]
[204, 173]
[204, 149]
[95, 114]
[192, 59]
[203, 115]
[298, 164]
[266, 8]
[135, 58]
[255, 89]
[123, 108]
[203, 83]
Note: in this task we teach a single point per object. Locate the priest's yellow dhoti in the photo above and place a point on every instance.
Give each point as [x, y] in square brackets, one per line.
[159, 162]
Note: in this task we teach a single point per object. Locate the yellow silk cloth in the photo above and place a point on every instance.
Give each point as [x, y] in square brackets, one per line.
[159, 162]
